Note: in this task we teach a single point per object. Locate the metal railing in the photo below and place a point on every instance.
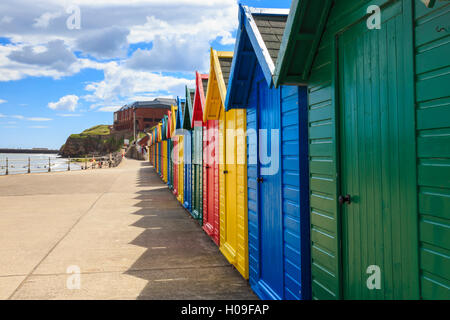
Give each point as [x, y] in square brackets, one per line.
[41, 165]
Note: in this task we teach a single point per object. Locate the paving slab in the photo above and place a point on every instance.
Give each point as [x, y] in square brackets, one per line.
[121, 228]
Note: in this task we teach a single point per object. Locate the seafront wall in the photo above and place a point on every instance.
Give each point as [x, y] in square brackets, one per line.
[34, 151]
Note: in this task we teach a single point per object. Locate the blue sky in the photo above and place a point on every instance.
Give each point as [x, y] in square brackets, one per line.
[56, 80]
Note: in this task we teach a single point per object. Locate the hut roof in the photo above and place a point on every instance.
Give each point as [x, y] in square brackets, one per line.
[258, 41]
[301, 38]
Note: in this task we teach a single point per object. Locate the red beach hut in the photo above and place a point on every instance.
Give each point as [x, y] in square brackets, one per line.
[211, 216]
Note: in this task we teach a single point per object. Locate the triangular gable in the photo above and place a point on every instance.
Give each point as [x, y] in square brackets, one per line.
[188, 108]
[258, 41]
[180, 109]
[304, 28]
[201, 85]
[179, 114]
[220, 66]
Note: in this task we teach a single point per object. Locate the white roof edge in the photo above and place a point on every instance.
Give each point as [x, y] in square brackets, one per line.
[283, 12]
[259, 38]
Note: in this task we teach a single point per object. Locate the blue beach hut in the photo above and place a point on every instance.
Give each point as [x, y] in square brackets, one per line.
[278, 184]
[186, 125]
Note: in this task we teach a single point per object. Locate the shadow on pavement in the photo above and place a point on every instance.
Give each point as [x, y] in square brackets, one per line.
[180, 261]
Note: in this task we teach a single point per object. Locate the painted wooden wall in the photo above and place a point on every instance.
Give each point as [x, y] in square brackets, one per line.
[432, 68]
[187, 151]
[211, 217]
[233, 188]
[197, 173]
[287, 107]
[390, 50]
[164, 161]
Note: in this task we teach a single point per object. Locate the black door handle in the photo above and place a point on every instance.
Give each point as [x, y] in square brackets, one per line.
[260, 180]
[343, 199]
[207, 167]
[225, 171]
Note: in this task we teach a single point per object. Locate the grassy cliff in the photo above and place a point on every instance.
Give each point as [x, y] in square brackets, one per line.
[100, 130]
[97, 140]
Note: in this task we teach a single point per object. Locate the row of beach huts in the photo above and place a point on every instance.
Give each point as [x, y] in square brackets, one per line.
[317, 154]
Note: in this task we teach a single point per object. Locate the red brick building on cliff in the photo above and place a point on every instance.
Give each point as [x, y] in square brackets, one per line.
[145, 114]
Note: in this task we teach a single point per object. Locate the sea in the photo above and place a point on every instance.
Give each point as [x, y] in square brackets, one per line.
[18, 163]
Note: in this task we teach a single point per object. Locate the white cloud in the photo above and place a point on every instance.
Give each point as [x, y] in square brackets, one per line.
[122, 84]
[44, 20]
[69, 115]
[110, 109]
[183, 44]
[6, 19]
[106, 43]
[3, 101]
[179, 32]
[108, 25]
[202, 20]
[13, 70]
[55, 55]
[36, 119]
[20, 117]
[68, 103]
[38, 127]
[172, 55]
[150, 97]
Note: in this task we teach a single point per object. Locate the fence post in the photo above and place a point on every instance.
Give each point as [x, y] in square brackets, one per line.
[68, 165]
[7, 165]
[29, 165]
[49, 165]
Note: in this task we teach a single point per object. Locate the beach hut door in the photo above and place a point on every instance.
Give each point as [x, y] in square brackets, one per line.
[271, 238]
[377, 196]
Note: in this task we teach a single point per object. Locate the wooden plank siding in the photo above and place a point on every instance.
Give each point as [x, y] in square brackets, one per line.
[432, 67]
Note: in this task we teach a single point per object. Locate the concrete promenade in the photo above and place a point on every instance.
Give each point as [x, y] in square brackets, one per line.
[122, 228]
